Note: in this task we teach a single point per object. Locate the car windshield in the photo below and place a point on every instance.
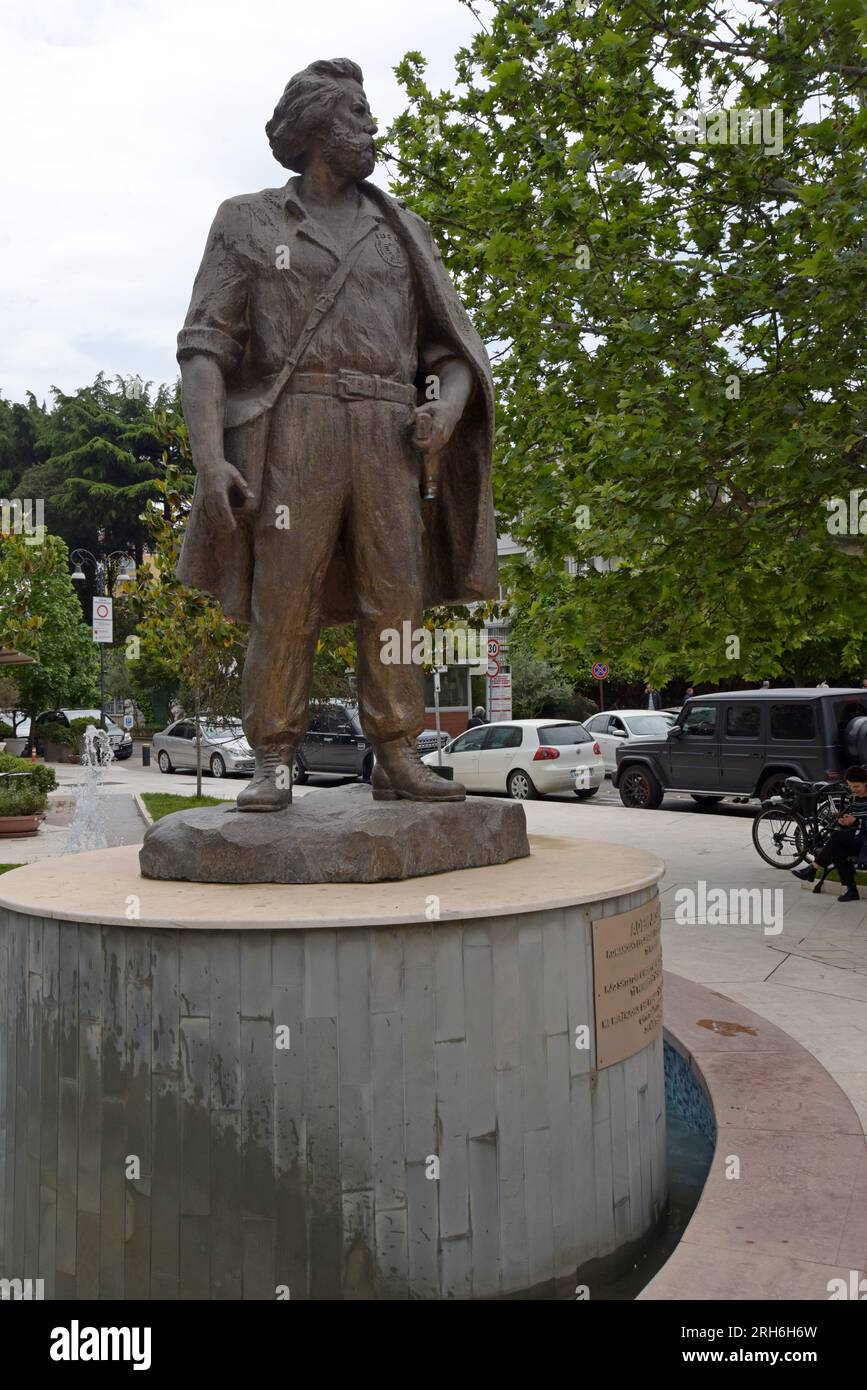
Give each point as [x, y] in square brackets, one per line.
[93, 715]
[350, 715]
[649, 724]
[557, 735]
[224, 733]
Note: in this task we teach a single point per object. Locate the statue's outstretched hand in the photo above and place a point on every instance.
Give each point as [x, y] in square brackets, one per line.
[225, 494]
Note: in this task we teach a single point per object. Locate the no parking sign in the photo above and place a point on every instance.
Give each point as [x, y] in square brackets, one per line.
[600, 671]
[102, 619]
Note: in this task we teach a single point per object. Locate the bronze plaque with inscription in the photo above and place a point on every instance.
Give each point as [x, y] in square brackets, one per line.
[627, 980]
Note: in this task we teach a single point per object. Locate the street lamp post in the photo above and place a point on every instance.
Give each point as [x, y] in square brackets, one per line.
[79, 558]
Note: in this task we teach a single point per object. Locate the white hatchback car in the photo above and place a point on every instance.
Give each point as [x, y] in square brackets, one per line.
[621, 726]
[526, 758]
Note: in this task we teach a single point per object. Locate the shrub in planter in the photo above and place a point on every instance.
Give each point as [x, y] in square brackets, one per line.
[19, 797]
[59, 742]
[42, 777]
[6, 730]
[60, 734]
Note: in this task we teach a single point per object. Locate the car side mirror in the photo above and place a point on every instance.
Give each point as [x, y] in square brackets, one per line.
[675, 731]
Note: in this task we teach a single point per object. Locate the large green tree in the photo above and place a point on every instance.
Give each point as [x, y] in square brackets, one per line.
[677, 328]
[95, 462]
[22, 428]
[40, 615]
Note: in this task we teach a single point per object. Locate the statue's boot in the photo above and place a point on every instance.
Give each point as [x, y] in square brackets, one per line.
[270, 788]
[399, 774]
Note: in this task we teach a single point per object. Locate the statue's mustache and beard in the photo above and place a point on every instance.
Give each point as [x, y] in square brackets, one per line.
[349, 152]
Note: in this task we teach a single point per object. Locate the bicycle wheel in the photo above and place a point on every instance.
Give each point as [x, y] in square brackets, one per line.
[780, 836]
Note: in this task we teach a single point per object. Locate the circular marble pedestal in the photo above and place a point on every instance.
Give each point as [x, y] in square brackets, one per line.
[391, 1090]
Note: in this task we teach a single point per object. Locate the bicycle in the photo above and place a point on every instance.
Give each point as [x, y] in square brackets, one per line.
[798, 822]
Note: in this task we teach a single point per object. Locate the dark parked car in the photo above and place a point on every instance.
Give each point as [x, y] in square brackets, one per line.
[335, 742]
[745, 743]
[121, 741]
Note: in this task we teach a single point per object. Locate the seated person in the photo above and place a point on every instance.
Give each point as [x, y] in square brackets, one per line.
[846, 843]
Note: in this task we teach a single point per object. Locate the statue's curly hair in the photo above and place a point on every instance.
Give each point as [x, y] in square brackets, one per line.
[305, 108]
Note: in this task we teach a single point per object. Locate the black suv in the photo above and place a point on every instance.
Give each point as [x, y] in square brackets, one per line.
[335, 742]
[745, 743]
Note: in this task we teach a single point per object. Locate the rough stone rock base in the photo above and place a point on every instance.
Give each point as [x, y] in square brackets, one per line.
[341, 837]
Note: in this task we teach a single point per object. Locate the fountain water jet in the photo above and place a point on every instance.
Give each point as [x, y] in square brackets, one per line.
[88, 829]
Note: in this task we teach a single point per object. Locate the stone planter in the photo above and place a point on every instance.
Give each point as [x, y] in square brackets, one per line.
[20, 825]
[58, 752]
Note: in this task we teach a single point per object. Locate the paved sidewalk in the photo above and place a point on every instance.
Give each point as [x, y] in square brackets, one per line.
[123, 821]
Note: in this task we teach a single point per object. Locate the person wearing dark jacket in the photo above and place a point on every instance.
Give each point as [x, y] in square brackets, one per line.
[479, 718]
[848, 841]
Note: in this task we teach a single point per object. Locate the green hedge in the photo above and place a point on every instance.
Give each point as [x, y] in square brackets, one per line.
[42, 777]
[21, 798]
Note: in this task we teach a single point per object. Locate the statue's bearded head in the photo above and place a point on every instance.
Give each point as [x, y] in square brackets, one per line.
[325, 107]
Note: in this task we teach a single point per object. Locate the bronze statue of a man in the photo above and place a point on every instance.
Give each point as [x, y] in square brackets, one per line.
[322, 319]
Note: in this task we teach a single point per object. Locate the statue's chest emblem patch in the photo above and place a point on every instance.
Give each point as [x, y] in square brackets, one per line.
[389, 248]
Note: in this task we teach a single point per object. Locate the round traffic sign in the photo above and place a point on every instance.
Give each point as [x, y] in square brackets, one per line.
[102, 610]
[600, 670]
[493, 647]
[493, 667]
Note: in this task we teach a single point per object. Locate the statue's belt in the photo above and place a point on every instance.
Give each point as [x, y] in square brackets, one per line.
[352, 386]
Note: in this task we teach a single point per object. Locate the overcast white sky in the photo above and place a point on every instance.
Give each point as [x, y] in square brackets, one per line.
[126, 123]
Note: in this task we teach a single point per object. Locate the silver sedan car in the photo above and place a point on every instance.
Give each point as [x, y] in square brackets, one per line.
[225, 749]
[617, 727]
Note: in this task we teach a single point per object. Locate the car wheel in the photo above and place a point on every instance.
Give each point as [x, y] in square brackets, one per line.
[299, 773]
[640, 790]
[165, 762]
[367, 768]
[218, 766]
[773, 785]
[707, 800]
[520, 786]
[585, 793]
